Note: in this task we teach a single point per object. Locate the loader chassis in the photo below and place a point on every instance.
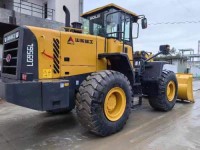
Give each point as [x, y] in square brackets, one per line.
[49, 64]
[97, 72]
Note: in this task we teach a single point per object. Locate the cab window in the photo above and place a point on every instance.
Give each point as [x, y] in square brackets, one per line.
[127, 23]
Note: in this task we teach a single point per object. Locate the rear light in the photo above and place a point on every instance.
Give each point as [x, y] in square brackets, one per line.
[27, 77]
[24, 77]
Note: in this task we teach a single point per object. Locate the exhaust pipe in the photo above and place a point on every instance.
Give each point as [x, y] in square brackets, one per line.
[67, 16]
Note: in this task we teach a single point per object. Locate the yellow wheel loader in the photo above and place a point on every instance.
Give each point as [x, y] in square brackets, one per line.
[92, 68]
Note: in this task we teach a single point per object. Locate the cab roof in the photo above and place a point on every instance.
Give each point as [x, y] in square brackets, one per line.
[103, 8]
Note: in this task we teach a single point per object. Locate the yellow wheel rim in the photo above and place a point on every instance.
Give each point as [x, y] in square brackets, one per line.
[171, 91]
[115, 104]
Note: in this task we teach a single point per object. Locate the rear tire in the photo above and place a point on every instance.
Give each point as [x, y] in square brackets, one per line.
[103, 102]
[167, 92]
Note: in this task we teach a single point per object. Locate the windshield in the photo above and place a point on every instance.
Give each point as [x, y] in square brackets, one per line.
[111, 23]
[90, 27]
[96, 24]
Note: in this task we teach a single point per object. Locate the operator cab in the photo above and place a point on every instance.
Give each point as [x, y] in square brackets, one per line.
[112, 21]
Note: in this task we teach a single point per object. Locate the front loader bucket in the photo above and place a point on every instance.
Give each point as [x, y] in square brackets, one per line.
[185, 87]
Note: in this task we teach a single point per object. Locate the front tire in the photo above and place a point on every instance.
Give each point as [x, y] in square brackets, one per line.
[103, 102]
[167, 92]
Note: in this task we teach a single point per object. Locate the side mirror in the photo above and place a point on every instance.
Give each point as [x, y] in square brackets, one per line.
[165, 49]
[144, 23]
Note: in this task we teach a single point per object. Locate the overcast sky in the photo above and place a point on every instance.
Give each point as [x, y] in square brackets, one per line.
[180, 36]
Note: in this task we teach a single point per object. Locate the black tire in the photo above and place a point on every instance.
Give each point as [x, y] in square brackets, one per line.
[59, 111]
[161, 102]
[90, 102]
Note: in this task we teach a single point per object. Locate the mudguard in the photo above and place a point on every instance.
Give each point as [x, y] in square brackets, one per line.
[120, 62]
[150, 77]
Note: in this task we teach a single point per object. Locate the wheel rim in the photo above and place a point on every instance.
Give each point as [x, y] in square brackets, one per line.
[115, 104]
[171, 91]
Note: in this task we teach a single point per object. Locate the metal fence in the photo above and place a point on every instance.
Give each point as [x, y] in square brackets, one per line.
[33, 9]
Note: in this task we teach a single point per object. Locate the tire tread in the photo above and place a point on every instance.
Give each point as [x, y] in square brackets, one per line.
[87, 101]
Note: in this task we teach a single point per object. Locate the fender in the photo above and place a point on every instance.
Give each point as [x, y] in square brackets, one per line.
[120, 62]
[151, 76]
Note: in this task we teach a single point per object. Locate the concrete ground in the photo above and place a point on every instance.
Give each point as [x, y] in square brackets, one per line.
[25, 129]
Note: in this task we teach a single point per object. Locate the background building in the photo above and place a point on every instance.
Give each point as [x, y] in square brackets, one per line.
[177, 64]
[46, 9]
[185, 61]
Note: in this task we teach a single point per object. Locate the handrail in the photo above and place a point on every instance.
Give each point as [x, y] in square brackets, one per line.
[34, 9]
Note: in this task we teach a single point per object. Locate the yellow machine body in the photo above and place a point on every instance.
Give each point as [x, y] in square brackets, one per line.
[185, 87]
[98, 72]
[78, 53]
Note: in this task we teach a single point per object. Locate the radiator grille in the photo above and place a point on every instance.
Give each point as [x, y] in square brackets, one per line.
[56, 55]
[10, 51]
